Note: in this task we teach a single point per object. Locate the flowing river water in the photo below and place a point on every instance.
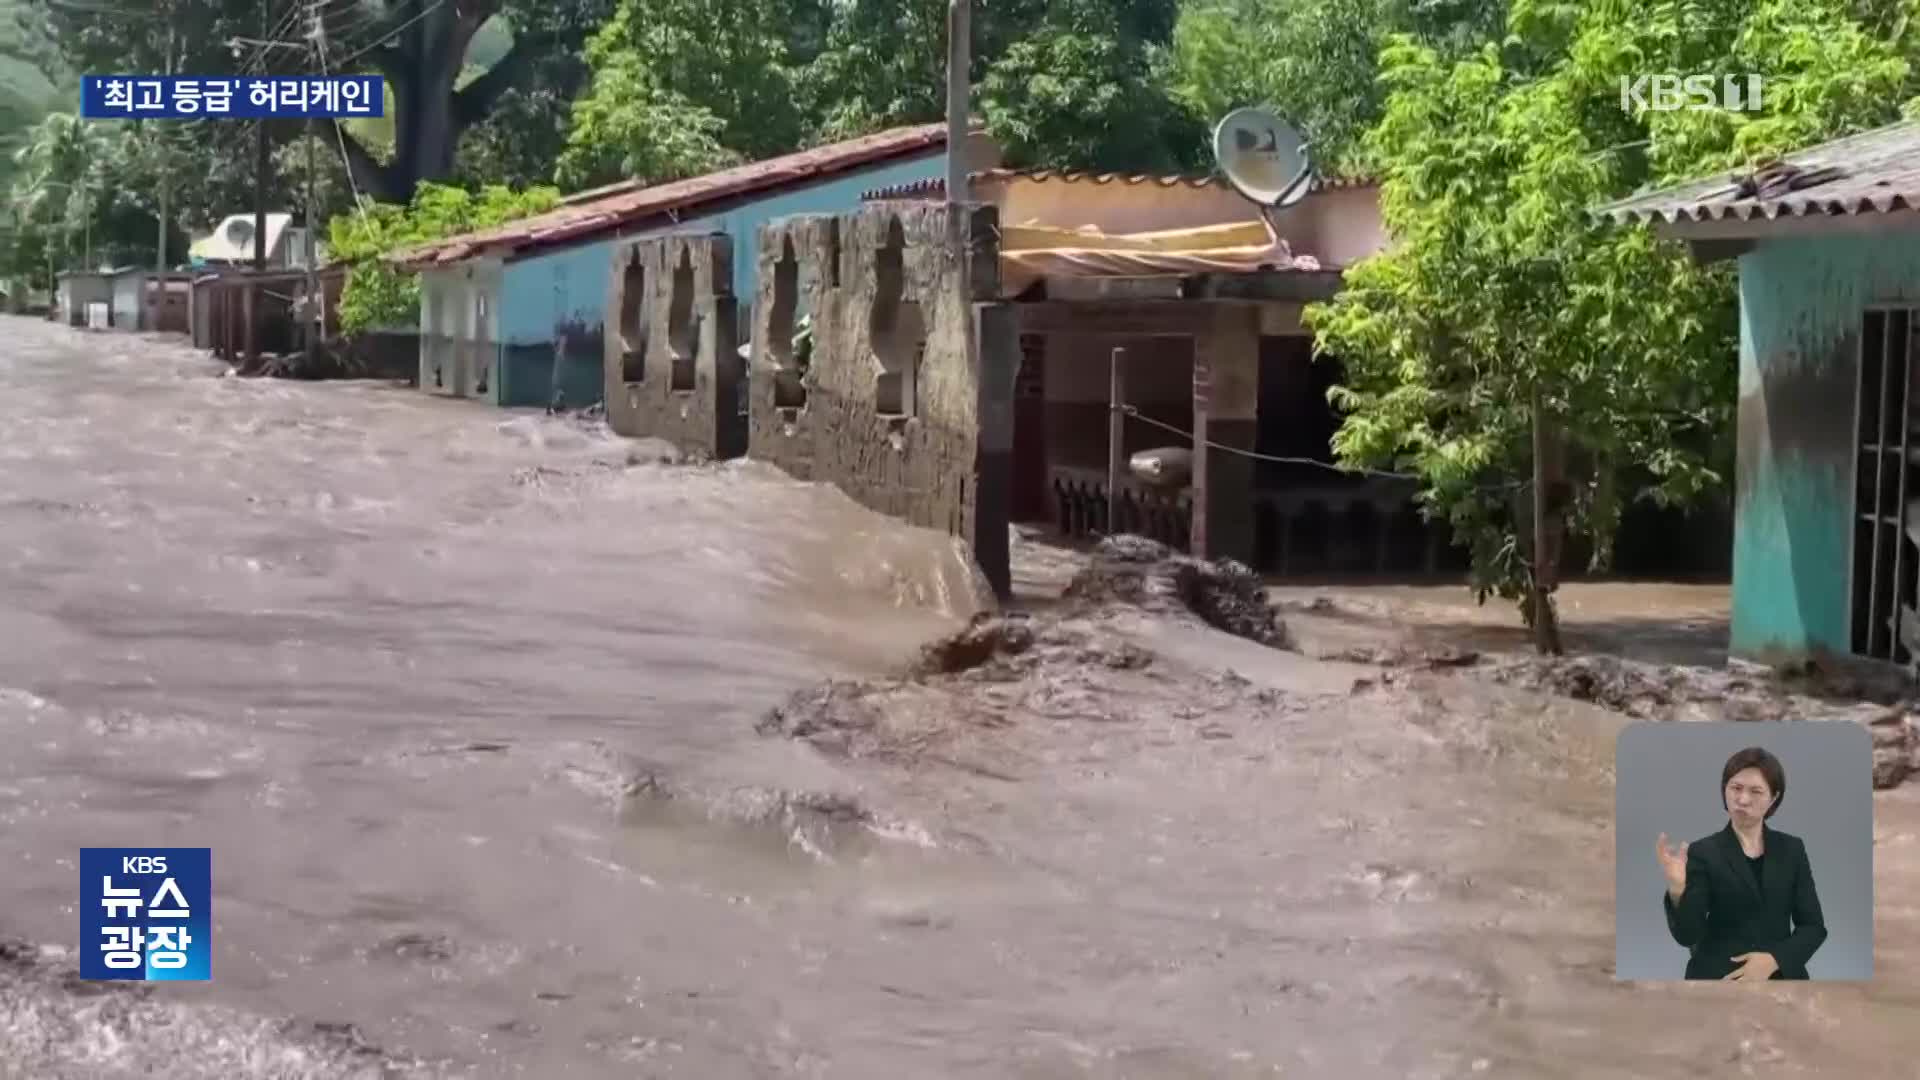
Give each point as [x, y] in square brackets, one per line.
[414, 668]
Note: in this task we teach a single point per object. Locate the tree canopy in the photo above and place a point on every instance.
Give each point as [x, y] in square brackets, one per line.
[1499, 284]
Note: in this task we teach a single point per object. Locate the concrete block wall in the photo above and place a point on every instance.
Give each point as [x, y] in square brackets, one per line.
[906, 400]
[799, 276]
[671, 360]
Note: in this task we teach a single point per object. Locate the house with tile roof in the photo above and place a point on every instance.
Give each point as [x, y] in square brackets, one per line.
[1826, 547]
[516, 314]
[1196, 297]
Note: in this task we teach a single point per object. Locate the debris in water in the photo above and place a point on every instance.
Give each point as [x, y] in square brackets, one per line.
[1145, 573]
[988, 636]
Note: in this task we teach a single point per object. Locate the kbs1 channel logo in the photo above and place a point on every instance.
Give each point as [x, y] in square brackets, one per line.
[146, 913]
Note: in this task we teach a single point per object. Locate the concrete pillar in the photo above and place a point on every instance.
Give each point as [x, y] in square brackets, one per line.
[997, 334]
[1226, 401]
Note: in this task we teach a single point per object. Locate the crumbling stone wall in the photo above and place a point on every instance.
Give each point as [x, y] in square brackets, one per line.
[673, 368]
[905, 401]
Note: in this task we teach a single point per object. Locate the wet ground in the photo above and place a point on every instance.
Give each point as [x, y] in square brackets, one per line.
[465, 702]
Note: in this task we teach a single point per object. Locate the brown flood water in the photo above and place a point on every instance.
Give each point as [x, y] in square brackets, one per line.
[401, 663]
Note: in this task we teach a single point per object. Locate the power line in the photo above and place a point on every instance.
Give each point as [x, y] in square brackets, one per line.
[346, 27]
[263, 49]
[346, 160]
[1275, 458]
[430, 9]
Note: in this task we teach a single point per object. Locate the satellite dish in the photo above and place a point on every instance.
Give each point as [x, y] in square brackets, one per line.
[239, 231]
[1264, 158]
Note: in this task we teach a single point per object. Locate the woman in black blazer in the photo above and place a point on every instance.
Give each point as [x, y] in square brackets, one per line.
[1742, 900]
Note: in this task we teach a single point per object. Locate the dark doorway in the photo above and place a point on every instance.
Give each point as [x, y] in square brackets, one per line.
[1031, 500]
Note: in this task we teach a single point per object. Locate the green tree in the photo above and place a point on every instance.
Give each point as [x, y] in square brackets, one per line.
[419, 46]
[60, 187]
[1083, 90]
[1317, 62]
[883, 63]
[377, 293]
[1500, 285]
[680, 88]
[628, 127]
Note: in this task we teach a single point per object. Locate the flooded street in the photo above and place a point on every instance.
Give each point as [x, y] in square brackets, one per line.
[465, 704]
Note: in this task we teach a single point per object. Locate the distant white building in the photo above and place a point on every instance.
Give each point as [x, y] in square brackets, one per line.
[231, 243]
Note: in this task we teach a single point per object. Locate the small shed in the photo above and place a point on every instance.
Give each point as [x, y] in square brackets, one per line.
[1826, 550]
[516, 315]
[75, 290]
[128, 285]
[167, 305]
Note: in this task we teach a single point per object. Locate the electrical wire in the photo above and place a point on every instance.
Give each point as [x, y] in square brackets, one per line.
[346, 160]
[1130, 410]
[265, 48]
[394, 33]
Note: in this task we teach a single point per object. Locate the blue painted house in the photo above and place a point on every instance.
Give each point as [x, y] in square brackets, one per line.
[1827, 498]
[514, 315]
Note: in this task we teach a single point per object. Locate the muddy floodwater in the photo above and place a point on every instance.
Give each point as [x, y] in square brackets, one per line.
[465, 704]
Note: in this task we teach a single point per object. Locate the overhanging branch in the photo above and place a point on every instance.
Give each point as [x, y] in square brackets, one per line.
[368, 174]
[473, 101]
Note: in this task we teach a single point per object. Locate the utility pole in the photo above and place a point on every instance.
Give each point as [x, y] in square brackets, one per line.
[315, 318]
[166, 162]
[260, 166]
[1546, 626]
[959, 63]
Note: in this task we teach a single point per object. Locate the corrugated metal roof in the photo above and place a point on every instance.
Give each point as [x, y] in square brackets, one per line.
[609, 207]
[936, 187]
[1874, 172]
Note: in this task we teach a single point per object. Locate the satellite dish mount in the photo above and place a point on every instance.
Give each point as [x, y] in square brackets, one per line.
[1264, 159]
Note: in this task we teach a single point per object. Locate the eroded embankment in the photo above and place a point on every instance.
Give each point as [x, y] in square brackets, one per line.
[1888, 707]
[974, 699]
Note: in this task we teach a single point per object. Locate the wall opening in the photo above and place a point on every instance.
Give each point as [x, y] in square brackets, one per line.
[633, 322]
[833, 254]
[790, 348]
[898, 331]
[436, 339]
[1886, 561]
[478, 342]
[683, 334]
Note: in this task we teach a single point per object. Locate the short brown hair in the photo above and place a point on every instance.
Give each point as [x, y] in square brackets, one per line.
[1753, 757]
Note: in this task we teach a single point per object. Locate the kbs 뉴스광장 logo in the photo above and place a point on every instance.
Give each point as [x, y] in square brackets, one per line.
[146, 913]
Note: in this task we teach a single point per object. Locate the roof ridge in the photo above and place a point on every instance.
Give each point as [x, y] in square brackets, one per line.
[619, 204]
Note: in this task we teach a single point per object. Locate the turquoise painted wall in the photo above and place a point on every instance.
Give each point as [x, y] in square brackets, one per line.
[567, 287]
[1801, 301]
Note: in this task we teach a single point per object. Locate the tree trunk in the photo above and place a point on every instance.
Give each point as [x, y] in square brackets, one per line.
[422, 66]
[1549, 527]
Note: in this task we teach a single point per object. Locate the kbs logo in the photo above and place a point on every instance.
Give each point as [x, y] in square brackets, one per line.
[146, 913]
[1671, 93]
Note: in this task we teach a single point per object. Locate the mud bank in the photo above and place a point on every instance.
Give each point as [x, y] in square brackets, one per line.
[1674, 692]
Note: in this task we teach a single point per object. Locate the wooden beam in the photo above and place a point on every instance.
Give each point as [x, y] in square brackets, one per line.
[1706, 252]
[1266, 285]
[1167, 318]
[1115, 288]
